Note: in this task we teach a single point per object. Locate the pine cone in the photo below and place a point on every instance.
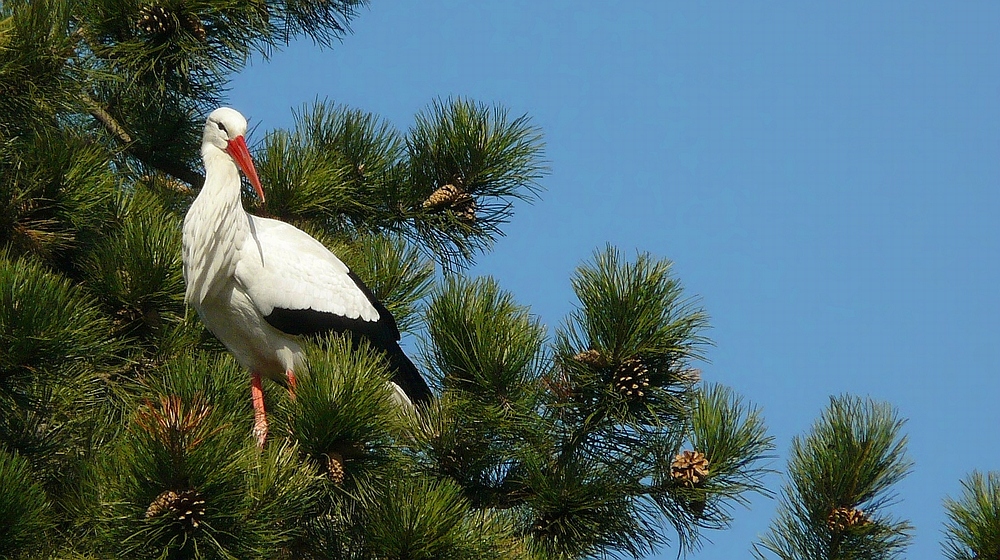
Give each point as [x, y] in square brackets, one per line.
[161, 504]
[632, 378]
[690, 467]
[591, 357]
[335, 467]
[444, 195]
[465, 208]
[689, 376]
[193, 24]
[453, 197]
[156, 20]
[697, 507]
[559, 385]
[545, 523]
[187, 505]
[842, 519]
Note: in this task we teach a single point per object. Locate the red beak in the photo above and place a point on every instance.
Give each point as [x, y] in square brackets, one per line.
[237, 147]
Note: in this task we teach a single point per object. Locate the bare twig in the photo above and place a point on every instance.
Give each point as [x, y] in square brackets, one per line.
[105, 118]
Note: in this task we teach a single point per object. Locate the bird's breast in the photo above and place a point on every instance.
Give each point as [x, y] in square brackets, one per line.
[234, 319]
[212, 237]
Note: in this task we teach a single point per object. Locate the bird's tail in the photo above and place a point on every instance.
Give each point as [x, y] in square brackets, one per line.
[406, 376]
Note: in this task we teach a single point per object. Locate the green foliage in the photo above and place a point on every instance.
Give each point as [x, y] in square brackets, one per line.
[973, 527]
[348, 428]
[430, 520]
[330, 170]
[466, 141]
[583, 508]
[733, 437]
[485, 345]
[138, 74]
[34, 86]
[56, 344]
[136, 270]
[344, 407]
[585, 469]
[55, 193]
[841, 477]
[630, 308]
[629, 311]
[483, 152]
[48, 326]
[342, 170]
[187, 48]
[24, 507]
[487, 353]
[185, 479]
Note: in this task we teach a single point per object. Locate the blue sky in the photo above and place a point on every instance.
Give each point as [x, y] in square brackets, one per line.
[824, 176]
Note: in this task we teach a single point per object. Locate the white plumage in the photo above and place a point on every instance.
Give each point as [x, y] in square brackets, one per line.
[309, 275]
[258, 284]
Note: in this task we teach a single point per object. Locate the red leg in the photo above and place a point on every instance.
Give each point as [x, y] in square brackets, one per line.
[259, 416]
[291, 383]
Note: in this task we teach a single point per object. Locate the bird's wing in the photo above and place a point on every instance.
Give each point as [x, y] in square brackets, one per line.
[300, 287]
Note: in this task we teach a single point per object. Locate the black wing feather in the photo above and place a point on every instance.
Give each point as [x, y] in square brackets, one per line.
[383, 334]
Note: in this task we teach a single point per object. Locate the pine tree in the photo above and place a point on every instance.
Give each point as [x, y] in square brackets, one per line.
[973, 528]
[124, 425]
[835, 505]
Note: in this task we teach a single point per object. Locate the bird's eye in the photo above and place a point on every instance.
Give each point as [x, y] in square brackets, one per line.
[222, 127]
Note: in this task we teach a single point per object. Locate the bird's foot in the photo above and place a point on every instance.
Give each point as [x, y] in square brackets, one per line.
[260, 431]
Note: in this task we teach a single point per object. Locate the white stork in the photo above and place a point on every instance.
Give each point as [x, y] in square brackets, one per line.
[261, 284]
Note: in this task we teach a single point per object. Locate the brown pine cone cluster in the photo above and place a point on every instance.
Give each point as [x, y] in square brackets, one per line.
[159, 22]
[842, 519]
[632, 378]
[455, 199]
[591, 357]
[187, 505]
[335, 467]
[689, 467]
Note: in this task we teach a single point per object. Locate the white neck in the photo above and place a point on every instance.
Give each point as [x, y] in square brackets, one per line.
[214, 227]
[221, 172]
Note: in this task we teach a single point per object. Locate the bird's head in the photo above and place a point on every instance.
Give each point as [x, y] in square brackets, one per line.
[224, 130]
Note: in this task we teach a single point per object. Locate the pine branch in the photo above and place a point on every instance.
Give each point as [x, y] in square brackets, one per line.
[56, 192]
[425, 518]
[624, 354]
[973, 527]
[135, 270]
[105, 118]
[118, 132]
[447, 186]
[841, 478]
[25, 511]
